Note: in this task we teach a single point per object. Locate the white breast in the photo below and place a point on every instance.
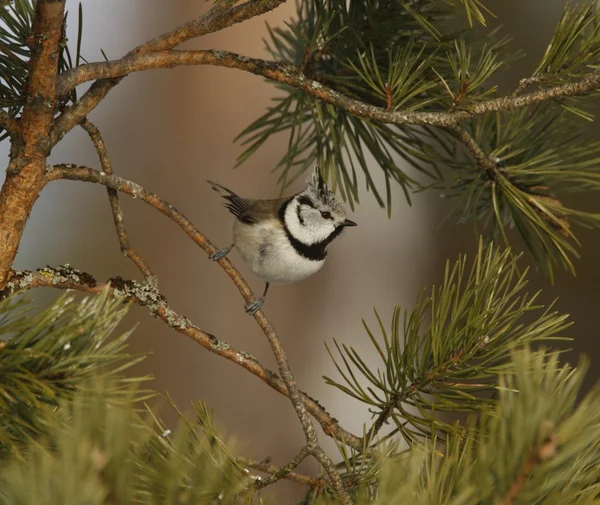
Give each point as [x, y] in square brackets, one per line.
[269, 254]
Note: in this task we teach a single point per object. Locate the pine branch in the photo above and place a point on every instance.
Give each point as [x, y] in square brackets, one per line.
[100, 451]
[450, 349]
[51, 354]
[290, 75]
[538, 443]
[520, 175]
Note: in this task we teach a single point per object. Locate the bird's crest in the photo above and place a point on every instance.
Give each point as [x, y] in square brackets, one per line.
[317, 188]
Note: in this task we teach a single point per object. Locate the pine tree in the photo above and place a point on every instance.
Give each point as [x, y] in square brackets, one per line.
[471, 403]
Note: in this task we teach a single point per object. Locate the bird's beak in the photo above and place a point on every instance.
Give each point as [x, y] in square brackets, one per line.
[347, 222]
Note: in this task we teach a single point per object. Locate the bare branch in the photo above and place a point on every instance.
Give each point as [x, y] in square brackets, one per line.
[282, 472]
[213, 20]
[291, 75]
[113, 196]
[146, 295]
[216, 19]
[73, 172]
[267, 467]
[76, 113]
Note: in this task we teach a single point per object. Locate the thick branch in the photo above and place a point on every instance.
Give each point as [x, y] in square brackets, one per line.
[25, 172]
[292, 76]
[40, 90]
[329, 424]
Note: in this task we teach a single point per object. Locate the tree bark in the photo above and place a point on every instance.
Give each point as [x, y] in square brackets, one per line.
[25, 172]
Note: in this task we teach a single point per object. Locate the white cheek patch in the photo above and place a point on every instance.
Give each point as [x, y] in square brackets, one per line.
[307, 233]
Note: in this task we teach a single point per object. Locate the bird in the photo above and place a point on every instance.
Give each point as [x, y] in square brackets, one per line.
[284, 240]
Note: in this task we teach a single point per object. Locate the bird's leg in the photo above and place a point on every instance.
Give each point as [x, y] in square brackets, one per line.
[220, 253]
[253, 307]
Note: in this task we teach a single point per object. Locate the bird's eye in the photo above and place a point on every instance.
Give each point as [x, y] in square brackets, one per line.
[326, 215]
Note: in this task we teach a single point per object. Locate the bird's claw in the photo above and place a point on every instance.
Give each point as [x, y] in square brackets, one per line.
[253, 307]
[220, 253]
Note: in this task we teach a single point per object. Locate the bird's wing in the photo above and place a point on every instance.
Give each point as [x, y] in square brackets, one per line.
[236, 204]
[247, 210]
[261, 210]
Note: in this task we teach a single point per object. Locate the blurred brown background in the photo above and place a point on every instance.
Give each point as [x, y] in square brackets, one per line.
[169, 130]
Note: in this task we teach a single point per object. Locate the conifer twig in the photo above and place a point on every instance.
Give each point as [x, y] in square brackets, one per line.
[283, 472]
[113, 196]
[267, 467]
[543, 453]
[147, 295]
[291, 75]
[483, 160]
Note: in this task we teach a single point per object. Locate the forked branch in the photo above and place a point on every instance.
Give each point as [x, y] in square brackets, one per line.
[113, 197]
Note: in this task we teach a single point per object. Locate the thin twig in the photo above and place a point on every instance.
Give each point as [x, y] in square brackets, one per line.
[267, 467]
[483, 160]
[214, 20]
[281, 473]
[295, 397]
[73, 172]
[537, 456]
[113, 196]
[531, 81]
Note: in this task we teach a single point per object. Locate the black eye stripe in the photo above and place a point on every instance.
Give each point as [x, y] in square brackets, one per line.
[304, 200]
[299, 214]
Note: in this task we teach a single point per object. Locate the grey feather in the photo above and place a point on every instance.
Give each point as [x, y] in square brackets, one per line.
[247, 210]
[236, 204]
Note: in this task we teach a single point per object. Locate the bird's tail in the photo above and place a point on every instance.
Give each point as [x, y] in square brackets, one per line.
[235, 203]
